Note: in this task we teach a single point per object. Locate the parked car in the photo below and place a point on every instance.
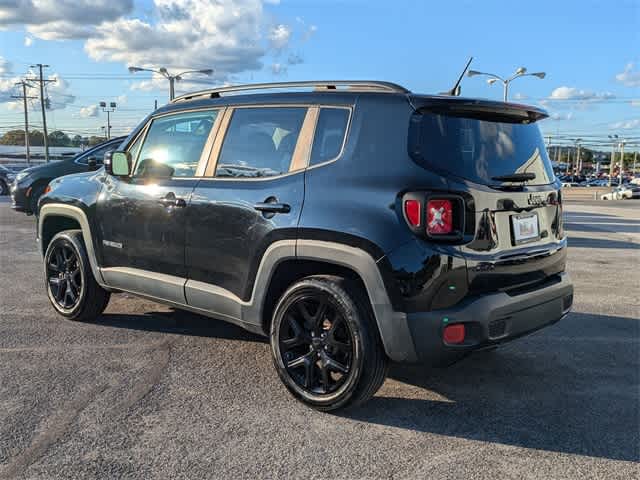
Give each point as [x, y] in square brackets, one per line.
[31, 182]
[7, 177]
[354, 224]
[623, 192]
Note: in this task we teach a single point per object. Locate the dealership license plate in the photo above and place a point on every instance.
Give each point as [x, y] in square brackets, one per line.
[525, 228]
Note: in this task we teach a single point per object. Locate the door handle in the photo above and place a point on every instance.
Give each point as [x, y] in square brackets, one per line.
[170, 200]
[268, 207]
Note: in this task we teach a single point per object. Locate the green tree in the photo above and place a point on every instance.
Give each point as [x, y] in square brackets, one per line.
[12, 137]
[58, 138]
[93, 140]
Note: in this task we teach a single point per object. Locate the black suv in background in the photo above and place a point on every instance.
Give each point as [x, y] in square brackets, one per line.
[353, 224]
[30, 183]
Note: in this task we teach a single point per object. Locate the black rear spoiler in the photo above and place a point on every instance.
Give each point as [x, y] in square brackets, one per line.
[479, 109]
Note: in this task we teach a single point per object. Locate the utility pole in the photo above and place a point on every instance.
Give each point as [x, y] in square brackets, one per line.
[41, 81]
[24, 98]
[109, 111]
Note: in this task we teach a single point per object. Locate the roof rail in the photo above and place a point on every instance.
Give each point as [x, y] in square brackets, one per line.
[339, 85]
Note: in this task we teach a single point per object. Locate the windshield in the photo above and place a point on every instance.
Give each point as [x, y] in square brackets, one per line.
[479, 150]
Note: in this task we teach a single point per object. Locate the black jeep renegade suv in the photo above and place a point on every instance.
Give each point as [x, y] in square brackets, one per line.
[353, 223]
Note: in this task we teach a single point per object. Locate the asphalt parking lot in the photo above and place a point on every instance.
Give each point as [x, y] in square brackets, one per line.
[147, 392]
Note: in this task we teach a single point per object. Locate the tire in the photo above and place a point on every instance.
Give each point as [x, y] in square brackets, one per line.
[4, 188]
[67, 268]
[329, 359]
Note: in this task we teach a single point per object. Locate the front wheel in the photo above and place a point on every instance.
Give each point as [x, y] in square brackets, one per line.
[325, 343]
[71, 287]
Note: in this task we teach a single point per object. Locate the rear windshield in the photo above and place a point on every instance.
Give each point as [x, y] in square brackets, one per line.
[479, 150]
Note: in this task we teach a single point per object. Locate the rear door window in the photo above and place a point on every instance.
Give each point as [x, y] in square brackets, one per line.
[260, 142]
[330, 133]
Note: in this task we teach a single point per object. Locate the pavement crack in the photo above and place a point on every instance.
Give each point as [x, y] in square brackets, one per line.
[54, 429]
[159, 363]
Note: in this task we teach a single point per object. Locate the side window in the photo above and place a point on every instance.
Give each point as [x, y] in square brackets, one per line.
[173, 145]
[329, 137]
[260, 141]
[98, 154]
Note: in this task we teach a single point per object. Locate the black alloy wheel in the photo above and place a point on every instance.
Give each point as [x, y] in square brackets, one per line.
[64, 276]
[316, 344]
[71, 287]
[325, 343]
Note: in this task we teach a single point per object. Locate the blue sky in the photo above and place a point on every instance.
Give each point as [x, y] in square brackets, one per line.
[590, 48]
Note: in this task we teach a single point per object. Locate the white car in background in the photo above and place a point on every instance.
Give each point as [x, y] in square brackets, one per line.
[622, 193]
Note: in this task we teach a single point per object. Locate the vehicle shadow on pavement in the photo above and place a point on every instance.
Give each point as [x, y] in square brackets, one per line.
[572, 388]
[585, 242]
[179, 322]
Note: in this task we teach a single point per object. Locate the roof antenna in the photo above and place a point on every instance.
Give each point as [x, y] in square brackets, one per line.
[455, 91]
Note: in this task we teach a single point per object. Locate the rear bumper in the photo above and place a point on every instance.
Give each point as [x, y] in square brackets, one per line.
[489, 320]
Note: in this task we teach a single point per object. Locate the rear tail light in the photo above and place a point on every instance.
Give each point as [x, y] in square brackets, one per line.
[439, 217]
[453, 334]
[412, 212]
[436, 216]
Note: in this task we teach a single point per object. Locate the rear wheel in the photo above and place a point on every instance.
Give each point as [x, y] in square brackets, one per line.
[71, 287]
[325, 344]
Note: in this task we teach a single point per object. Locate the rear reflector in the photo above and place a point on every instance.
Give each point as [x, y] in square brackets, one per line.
[453, 333]
[439, 217]
[412, 211]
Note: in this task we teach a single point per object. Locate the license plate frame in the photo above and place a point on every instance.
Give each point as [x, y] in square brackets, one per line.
[525, 228]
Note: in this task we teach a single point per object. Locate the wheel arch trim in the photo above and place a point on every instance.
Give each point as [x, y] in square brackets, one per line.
[77, 214]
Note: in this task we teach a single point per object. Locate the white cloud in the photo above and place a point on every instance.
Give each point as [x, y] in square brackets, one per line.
[294, 59]
[28, 41]
[629, 77]
[520, 96]
[5, 66]
[58, 91]
[279, 36]
[625, 124]
[572, 93]
[228, 36]
[89, 111]
[7, 81]
[557, 116]
[55, 19]
[278, 69]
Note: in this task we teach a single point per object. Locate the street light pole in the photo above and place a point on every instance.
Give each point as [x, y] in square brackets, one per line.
[613, 139]
[111, 109]
[493, 78]
[621, 160]
[172, 78]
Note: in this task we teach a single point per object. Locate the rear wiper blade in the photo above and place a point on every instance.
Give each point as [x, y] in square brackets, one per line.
[515, 177]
